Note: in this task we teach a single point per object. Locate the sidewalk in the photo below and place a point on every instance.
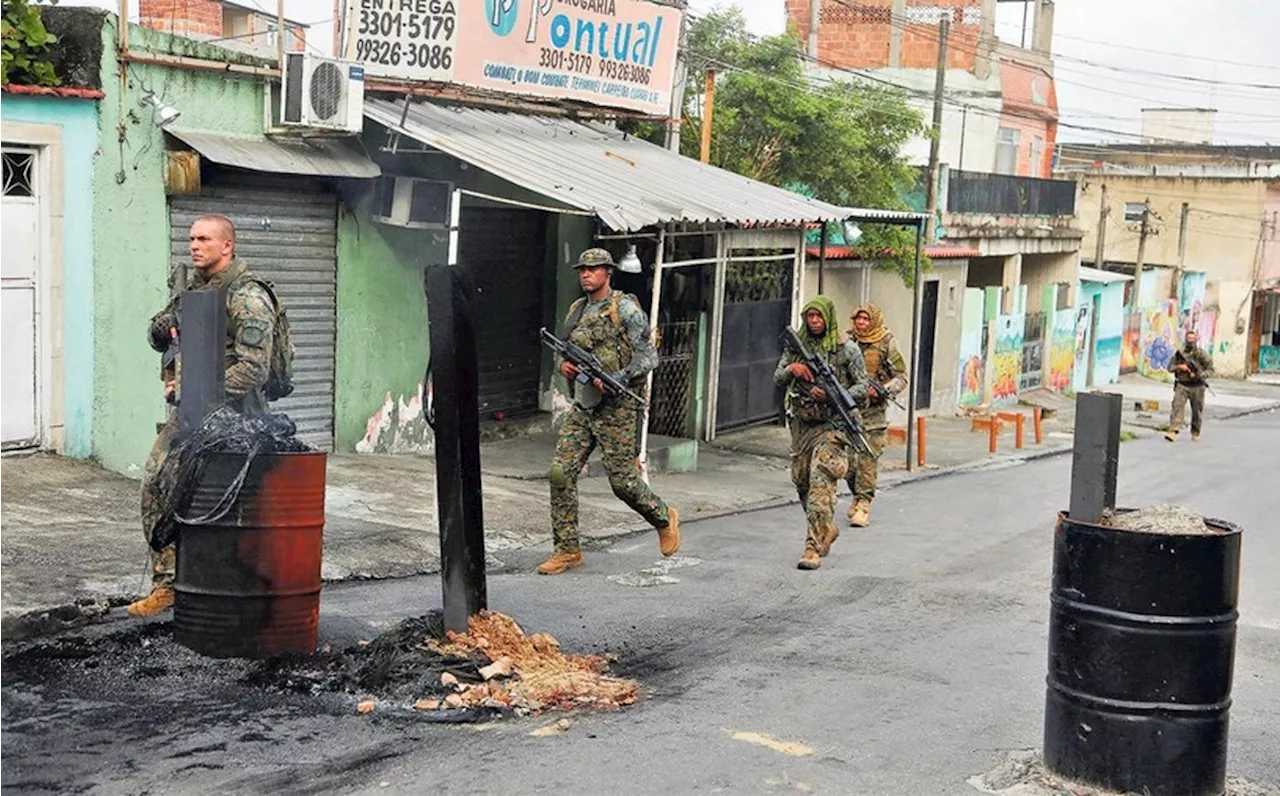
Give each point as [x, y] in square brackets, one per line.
[72, 547]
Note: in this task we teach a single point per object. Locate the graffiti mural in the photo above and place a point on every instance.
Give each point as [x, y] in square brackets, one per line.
[1269, 359]
[1159, 341]
[969, 392]
[1062, 350]
[400, 426]
[1080, 341]
[1008, 359]
[1131, 342]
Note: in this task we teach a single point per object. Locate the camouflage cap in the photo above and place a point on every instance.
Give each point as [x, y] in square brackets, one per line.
[593, 258]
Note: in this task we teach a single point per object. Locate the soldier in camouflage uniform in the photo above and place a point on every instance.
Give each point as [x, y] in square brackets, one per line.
[250, 328]
[611, 325]
[887, 372]
[819, 450]
[1190, 365]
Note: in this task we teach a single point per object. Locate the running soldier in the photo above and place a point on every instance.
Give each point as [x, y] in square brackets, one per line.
[887, 373]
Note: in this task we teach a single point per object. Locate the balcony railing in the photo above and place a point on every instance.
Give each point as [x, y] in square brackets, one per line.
[1001, 194]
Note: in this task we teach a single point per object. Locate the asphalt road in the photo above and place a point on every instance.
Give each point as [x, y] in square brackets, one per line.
[914, 659]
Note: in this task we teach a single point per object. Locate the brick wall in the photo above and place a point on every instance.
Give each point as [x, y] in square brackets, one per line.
[196, 19]
[858, 33]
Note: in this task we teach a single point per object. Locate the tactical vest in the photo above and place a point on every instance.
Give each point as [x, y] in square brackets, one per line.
[601, 333]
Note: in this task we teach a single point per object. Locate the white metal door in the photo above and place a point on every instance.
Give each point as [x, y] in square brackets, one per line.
[20, 417]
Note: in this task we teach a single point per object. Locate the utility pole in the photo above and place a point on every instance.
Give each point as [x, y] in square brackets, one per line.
[815, 18]
[1100, 253]
[1142, 252]
[708, 110]
[1182, 255]
[931, 200]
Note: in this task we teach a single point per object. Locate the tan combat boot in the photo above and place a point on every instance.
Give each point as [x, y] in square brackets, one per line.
[809, 560]
[1195, 436]
[828, 540]
[669, 537]
[560, 562]
[860, 513]
[1171, 435]
[157, 602]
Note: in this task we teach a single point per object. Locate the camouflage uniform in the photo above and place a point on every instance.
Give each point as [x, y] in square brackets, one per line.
[250, 326]
[616, 330]
[1188, 386]
[819, 450]
[888, 371]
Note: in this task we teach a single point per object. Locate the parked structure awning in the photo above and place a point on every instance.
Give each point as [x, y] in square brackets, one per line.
[321, 157]
[628, 183]
[1104, 277]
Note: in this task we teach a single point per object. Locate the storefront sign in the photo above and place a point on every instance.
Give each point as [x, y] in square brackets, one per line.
[617, 53]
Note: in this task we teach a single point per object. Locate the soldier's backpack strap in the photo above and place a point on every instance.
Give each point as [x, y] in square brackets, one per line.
[575, 315]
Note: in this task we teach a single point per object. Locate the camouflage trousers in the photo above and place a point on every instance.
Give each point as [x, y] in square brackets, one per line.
[864, 469]
[163, 563]
[1182, 395]
[613, 425]
[819, 459]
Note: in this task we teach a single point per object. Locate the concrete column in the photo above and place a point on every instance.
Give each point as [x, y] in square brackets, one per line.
[985, 60]
[1042, 29]
[1012, 278]
[899, 10]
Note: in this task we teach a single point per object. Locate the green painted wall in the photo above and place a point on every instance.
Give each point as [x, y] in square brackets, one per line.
[131, 227]
[382, 318]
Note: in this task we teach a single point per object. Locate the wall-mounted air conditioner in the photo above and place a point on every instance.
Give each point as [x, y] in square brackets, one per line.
[320, 92]
[412, 202]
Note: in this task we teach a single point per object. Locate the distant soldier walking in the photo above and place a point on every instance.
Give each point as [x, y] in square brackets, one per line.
[609, 324]
[887, 373]
[819, 449]
[1190, 366]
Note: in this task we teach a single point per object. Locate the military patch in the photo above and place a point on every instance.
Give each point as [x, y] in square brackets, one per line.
[253, 334]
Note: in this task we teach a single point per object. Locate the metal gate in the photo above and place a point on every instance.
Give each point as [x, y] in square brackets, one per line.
[1032, 351]
[757, 305]
[503, 250]
[21, 299]
[289, 237]
[673, 379]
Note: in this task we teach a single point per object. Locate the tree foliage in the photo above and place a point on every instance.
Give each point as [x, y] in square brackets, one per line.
[25, 40]
[839, 141]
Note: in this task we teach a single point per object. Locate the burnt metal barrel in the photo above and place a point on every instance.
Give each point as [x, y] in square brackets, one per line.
[248, 582]
[1141, 650]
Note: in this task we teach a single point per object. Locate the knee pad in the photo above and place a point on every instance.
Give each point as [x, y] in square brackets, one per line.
[557, 475]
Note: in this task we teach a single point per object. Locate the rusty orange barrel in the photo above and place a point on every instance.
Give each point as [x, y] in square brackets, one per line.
[248, 582]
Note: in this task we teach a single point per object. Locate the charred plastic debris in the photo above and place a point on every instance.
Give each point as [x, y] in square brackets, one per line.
[415, 671]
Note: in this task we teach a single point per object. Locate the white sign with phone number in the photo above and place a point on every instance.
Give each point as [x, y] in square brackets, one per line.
[405, 39]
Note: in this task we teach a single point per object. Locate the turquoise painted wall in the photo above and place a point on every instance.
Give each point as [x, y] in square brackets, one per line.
[131, 226]
[78, 119]
[1104, 347]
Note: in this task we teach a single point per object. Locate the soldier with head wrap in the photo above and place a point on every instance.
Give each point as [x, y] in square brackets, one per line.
[888, 375]
[819, 449]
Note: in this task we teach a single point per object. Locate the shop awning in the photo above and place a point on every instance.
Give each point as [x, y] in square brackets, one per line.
[321, 157]
[628, 183]
[1102, 277]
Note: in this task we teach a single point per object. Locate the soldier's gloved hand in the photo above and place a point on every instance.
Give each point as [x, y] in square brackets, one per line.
[817, 393]
[874, 392]
[568, 370]
[801, 371]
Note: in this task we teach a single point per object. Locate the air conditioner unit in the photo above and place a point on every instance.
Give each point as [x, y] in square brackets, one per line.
[412, 202]
[322, 92]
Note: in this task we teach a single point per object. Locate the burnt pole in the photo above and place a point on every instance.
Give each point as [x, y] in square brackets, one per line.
[202, 343]
[454, 389]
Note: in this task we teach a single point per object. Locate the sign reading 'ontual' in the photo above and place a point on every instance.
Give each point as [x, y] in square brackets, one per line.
[619, 53]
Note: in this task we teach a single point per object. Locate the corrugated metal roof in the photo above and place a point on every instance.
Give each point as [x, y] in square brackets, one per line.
[1088, 274]
[318, 156]
[936, 252]
[630, 184]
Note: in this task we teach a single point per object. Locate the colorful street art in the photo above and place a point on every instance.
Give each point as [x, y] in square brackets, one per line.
[1269, 359]
[1062, 350]
[1159, 341]
[1081, 338]
[969, 392]
[1008, 359]
[1131, 343]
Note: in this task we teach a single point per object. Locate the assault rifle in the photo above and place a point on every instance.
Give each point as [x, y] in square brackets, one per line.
[837, 396]
[589, 366]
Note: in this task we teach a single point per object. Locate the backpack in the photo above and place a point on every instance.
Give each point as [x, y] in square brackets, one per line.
[280, 379]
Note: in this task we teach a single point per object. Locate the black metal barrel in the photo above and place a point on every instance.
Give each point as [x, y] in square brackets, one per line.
[1142, 635]
[248, 582]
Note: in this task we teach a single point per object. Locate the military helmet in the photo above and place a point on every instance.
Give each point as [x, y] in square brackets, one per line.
[593, 258]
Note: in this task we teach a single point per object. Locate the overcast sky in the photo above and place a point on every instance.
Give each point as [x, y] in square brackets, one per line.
[1223, 43]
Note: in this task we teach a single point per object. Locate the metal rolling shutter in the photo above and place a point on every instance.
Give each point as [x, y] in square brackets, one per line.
[289, 237]
[503, 251]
